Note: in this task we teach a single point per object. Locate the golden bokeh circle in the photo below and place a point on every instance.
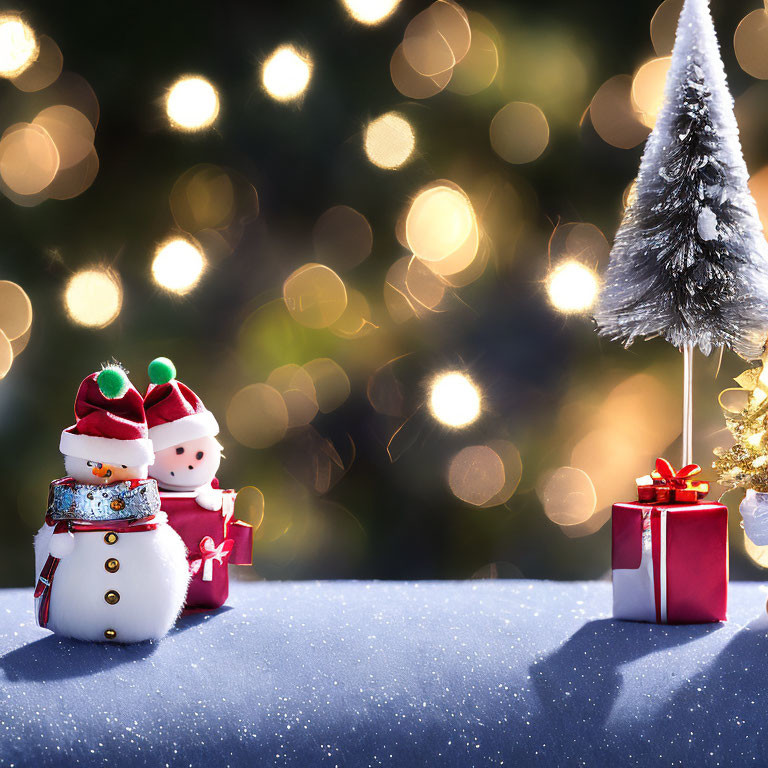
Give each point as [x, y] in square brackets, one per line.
[479, 67]
[342, 237]
[42, 72]
[19, 46]
[192, 103]
[257, 416]
[356, 321]
[750, 43]
[513, 471]
[648, 88]
[389, 141]
[29, 159]
[664, 26]
[437, 38]
[572, 287]
[476, 474]
[315, 296]
[6, 355]
[249, 506]
[440, 221]
[614, 116]
[370, 11]
[178, 265]
[332, 386]
[285, 75]
[519, 132]
[93, 297]
[298, 390]
[568, 496]
[454, 399]
[15, 310]
[70, 130]
[411, 83]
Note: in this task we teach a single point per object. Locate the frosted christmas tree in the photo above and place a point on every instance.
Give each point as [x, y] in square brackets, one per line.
[690, 262]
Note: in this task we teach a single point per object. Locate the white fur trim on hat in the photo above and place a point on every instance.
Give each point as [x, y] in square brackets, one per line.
[132, 453]
[201, 424]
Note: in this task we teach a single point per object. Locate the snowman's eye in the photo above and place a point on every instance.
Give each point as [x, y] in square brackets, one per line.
[124, 466]
[199, 455]
[179, 451]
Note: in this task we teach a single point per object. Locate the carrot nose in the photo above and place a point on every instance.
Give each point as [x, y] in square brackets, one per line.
[102, 470]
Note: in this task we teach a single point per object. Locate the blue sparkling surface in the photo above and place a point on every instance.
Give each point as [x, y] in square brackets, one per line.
[511, 673]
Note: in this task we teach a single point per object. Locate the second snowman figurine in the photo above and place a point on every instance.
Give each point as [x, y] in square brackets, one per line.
[187, 456]
[109, 567]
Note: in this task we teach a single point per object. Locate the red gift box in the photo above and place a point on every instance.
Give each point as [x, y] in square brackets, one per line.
[670, 560]
[213, 539]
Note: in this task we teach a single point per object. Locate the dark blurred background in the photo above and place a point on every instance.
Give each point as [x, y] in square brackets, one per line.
[378, 486]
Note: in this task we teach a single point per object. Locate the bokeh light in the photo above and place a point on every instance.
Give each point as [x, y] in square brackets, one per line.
[44, 70]
[297, 387]
[477, 70]
[71, 132]
[454, 400]
[6, 355]
[94, 297]
[257, 416]
[370, 11]
[342, 237]
[315, 296]
[572, 287]
[413, 84]
[664, 26]
[519, 132]
[332, 386]
[178, 265]
[192, 103]
[286, 73]
[614, 116]
[18, 45]
[423, 285]
[750, 43]
[513, 471]
[648, 88]
[249, 506]
[437, 38]
[389, 140]
[29, 159]
[15, 310]
[440, 225]
[356, 321]
[213, 204]
[476, 474]
[568, 496]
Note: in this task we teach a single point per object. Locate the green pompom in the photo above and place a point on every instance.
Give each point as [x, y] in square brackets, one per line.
[161, 370]
[113, 383]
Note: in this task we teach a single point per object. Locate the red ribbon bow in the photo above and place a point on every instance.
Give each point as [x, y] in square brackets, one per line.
[665, 485]
[210, 552]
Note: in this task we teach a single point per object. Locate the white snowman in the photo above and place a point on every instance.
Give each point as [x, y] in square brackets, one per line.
[109, 567]
[183, 433]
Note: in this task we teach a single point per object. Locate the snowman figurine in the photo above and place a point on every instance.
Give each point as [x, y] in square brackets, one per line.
[109, 567]
[187, 457]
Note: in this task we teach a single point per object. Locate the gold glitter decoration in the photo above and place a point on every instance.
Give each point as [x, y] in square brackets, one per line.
[745, 464]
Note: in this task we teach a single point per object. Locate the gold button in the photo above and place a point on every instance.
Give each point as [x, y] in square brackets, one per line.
[112, 597]
[110, 634]
[110, 537]
[111, 565]
[117, 504]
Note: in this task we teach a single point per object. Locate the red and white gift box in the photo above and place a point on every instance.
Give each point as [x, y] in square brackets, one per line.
[214, 539]
[670, 557]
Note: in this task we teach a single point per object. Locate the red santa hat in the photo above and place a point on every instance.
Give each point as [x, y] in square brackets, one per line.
[175, 414]
[110, 423]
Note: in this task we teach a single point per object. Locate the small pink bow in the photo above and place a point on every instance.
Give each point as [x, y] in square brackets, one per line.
[208, 553]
